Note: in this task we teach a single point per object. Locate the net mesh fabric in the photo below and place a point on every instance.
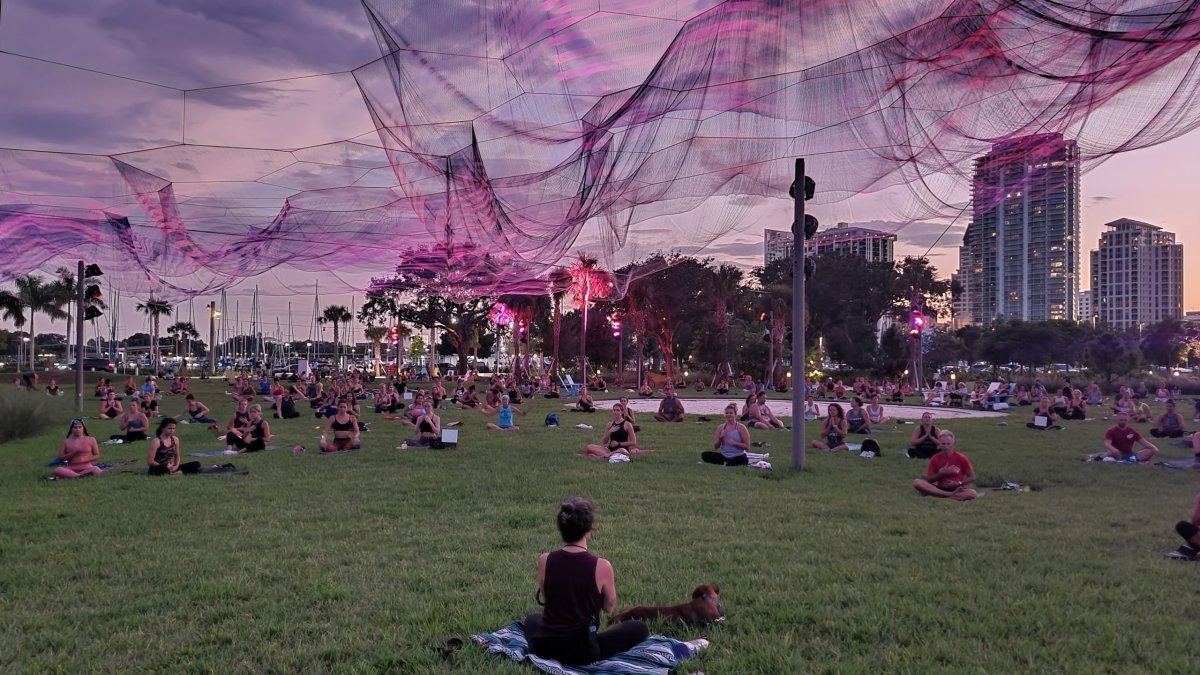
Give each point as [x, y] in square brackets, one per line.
[486, 138]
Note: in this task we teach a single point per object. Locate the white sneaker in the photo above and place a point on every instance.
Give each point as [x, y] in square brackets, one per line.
[758, 465]
[231, 452]
[696, 646]
[583, 426]
[114, 441]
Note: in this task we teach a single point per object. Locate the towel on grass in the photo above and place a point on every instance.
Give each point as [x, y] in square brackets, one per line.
[656, 655]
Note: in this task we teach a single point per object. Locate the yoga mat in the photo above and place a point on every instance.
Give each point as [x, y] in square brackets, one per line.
[221, 452]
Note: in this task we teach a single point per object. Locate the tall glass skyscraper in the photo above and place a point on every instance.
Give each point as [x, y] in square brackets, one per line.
[1020, 254]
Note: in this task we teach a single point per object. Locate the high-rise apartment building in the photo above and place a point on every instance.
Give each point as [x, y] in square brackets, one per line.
[873, 245]
[1137, 275]
[777, 244]
[1020, 254]
[1084, 309]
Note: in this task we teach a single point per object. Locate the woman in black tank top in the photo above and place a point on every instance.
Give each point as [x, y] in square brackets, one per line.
[619, 437]
[341, 430]
[577, 586]
[163, 455]
[255, 436]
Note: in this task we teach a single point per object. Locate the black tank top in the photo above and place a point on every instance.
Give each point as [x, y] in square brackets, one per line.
[241, 419]
[426, 427]
[342, 426]
[165, 453]
[618, 434]
[256, 430]
[572, 600]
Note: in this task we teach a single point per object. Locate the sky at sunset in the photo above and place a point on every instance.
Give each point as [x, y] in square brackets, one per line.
[220, 42]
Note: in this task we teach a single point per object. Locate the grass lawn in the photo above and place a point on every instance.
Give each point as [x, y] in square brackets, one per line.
[360, 562]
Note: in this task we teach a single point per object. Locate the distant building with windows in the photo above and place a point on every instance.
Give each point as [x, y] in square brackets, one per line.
[1084, 308]
[843, 239]
[777, 244]
[1137, 275]
[1020, 254]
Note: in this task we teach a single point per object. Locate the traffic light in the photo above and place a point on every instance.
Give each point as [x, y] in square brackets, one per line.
[616, 327]
[92, 303]
[394, 335]
[916, 323]
[808, 228]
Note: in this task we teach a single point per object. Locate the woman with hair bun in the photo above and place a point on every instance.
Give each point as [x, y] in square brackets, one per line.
[576, 586]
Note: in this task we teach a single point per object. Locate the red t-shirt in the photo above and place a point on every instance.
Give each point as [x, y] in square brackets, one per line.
[1122, 439]
[955, 459]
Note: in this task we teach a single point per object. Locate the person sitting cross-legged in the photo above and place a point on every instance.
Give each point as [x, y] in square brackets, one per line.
[833, 430]
[77, 452]
[1169, 424]
[1119, 440]
[948, 472]
[618, 438]
[1190, 531]
[731, 439]
[671, 409]
[1043, 416]
[504, 416]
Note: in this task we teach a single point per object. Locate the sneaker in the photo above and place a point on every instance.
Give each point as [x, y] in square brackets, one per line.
[1183, 553]
[696, 646]
[114, 441]
[760, 464]
[231, 452]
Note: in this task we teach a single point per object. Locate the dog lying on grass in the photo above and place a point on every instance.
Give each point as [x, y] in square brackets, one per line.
[704, 607]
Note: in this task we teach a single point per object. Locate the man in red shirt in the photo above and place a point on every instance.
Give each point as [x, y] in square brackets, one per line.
[948, 473]
[1119, 440]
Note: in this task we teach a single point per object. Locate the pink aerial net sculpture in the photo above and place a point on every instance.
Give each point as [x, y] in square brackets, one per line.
[504, 132]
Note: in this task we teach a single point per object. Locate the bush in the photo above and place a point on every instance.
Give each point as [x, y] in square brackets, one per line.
[22, 414]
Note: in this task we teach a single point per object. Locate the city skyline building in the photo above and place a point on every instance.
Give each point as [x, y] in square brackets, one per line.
[843, 239]
[1137, 275]
[1084, 308]
[1020, 254]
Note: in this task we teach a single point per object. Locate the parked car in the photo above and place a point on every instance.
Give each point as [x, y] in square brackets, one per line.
[95, 363]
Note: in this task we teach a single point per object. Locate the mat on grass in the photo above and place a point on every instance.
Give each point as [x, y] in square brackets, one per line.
[656, 655]
[223, 470]
[1179, 463]
[103, 466]
[1005, 486]
[1184, 552]
[221, 452]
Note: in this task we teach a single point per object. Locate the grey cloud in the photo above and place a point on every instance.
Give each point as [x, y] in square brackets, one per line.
[1097, 199]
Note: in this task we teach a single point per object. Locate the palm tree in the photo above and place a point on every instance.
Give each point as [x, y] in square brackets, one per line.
[155, 309]
[38, 296]
[336, 315]
[726, 285]
[187, 331]
[589, 282]
[376, 334]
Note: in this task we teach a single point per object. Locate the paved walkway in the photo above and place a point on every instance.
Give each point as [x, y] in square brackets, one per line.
[716, 406]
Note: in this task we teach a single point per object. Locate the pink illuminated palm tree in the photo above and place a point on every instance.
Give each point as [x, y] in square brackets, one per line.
[589, 282]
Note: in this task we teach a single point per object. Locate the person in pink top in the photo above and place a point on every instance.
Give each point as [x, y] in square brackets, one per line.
[948, 473]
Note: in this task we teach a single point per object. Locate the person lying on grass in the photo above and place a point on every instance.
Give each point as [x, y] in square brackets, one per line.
[618, 437]
[577, 586]
[253, 437]
[1169, 424]
[948, 473]
[341, 430]
[162, 457]
[504, 416]
[77, 452]
[1119, 440]
[671, 408]
[731, 439]
[833, 430]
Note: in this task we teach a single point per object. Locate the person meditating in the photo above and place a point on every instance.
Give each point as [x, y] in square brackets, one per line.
[133, 423]
[110, 407]
[923, 441]
[764, 414]
[251, 438]
[429, 428]
[1139, 412]
[341, 431]
[162, 458]
[671, 408]
[856, 418]
[948, 473]
[731, 439]
[875, 412]
[1169, 424]
[1119, 440]
[1190, 531]
[1043, 417]
[77, 452]
[619, 437]
[584, 403]
[833, 430]
[197, 411]
[576, 586]
[504, 416]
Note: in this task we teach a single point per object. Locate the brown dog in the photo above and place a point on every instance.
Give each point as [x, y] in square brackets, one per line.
[704, 607]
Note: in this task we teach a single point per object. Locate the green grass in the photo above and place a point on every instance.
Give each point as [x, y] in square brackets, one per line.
[359, 562]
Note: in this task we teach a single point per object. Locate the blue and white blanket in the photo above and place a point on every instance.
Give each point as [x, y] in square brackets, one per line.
[656, 655]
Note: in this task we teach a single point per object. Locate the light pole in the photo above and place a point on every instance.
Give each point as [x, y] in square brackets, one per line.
[798, 328]
[212, 336]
